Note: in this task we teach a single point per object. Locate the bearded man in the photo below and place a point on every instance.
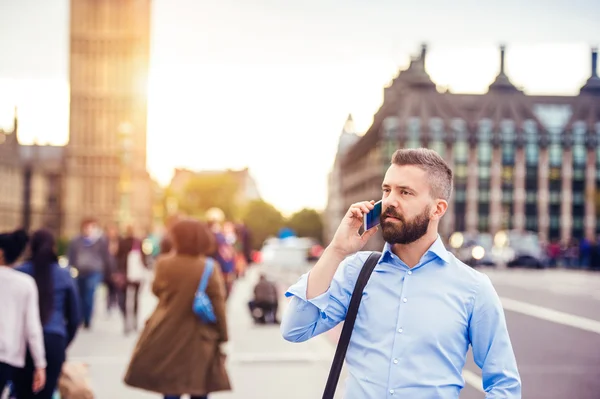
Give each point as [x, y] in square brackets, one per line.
[421, 309]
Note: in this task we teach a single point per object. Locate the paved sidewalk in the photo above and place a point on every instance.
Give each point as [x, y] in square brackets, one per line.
[261, 364]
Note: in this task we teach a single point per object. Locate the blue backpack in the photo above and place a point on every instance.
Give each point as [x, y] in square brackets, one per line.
[202, 305]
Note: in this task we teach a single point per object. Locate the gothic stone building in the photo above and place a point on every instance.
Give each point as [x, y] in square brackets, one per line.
[31, 184]
[520, 161]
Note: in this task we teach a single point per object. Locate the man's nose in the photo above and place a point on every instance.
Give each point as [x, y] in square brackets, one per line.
[390, 201]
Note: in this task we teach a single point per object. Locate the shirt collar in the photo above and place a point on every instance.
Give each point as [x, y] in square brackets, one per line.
[437, 248]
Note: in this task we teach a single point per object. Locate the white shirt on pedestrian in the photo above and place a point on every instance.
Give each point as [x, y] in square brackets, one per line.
[20, 324]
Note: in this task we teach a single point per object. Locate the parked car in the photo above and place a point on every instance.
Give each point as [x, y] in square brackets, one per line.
[473, 249]
[519, 249]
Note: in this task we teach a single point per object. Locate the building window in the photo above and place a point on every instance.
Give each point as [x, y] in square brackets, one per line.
[554, 222]
[483, 223]
[485, 131]
[555, 197]
[484, 196]
[579, 174]
[460, 171]
[532, 152]
[439, 147]
[531, 223]
[461, 151]
[508, 154]
[484, 152]
[555, 149]
[507, 174]
[436, 135]
[484, 172]
[579, 150]
[531, 197]
[414, 133]
[578, 198]
[460, 195]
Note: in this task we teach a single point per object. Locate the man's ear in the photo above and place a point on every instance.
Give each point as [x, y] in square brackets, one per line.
[439, 209]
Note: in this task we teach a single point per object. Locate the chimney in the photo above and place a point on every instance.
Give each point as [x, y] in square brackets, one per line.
[423, 53]
[595, 62]
[502, 54]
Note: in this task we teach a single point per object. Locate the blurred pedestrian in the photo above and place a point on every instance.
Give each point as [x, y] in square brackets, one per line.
[224, 254]
[20, 325]
[59, 313]
[112, 239]
[264, 305]
[88, 254]
[131, 266]
[177, 353]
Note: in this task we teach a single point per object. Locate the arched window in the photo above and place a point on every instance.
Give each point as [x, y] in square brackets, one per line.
[436, 136]
[531, 142]
[579, 150]
[461, 146]
[507, 136]
[413, 129]
[484, 160]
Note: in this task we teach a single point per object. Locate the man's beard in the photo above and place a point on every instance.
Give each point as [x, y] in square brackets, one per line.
[401, 231]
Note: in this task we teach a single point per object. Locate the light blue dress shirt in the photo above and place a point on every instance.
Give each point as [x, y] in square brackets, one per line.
[414, 327]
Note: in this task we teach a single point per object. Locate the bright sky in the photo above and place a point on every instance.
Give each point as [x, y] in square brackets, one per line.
[268, 83]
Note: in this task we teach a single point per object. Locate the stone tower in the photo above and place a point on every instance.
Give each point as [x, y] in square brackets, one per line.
[106, 174]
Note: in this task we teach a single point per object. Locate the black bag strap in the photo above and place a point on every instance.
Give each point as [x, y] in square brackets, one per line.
[342, 346]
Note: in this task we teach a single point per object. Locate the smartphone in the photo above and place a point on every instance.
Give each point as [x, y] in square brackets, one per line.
[373, 218]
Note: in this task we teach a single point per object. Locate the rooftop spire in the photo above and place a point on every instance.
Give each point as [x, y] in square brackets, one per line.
[592, 86]
[594, 62]
[502, 55]
[502, 82]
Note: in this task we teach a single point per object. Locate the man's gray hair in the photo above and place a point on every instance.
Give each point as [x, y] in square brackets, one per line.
[440, 174]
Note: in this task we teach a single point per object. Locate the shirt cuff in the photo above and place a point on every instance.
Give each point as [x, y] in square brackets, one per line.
[299, 291]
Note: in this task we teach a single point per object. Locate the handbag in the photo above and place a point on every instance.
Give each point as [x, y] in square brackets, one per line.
[202, 305]
[342, 346]
[74, 382]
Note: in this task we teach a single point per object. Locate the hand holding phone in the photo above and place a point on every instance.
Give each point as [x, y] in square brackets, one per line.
[372, 218]
[347, 239]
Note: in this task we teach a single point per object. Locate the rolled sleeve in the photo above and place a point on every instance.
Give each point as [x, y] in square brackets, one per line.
[298, 290]
[306, 318]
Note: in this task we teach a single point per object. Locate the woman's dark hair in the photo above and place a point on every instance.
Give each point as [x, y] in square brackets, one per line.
[13, 244]
[43, 257]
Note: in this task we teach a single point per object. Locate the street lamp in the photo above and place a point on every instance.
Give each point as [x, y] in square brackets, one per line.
[126, 145]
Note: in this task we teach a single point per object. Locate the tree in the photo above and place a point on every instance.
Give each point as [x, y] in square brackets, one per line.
[263, 221]
[203, 192]
[307, 223]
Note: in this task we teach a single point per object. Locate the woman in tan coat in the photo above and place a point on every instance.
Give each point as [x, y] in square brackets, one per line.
[177, 353]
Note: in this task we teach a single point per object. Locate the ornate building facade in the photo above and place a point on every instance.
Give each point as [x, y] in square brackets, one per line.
[520, 161]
